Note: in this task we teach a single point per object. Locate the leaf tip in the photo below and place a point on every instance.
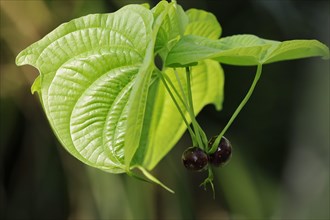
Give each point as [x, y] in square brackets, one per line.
[36, 86]
[19, 61]
[153, 179]
[24, 57]
[326, 56]
[325, 50]
[146, 5]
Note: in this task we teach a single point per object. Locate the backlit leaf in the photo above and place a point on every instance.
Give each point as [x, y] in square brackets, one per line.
[242, 50]
[202, 23]
[87, 70]
[165, 122]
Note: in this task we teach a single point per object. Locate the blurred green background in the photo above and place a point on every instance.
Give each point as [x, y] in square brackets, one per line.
[280, 163]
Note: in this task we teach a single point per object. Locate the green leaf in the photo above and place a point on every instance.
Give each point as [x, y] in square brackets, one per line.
[146, 5]
[202, 23]
[88, 67]
[152, 178]
[36, 86]
[164, 123]
[172, 27]
[242, 50]
[137, 106]
[138, 98]
[296, 49]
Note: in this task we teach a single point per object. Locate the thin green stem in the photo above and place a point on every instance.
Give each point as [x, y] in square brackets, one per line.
[203, 136]
[176, 91]
[209, 180]
[239, 108]
[191, 132]
[190, 110]
[190, 99]
[198, 130]
[184, 97]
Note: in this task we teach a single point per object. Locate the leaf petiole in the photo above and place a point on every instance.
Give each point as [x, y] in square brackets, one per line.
[190, 108]
[191, 132]
[198, 130]
[239, 108]
[176, 91]
[184, 96]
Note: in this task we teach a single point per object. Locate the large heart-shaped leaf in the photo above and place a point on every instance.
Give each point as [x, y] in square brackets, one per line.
[88, 67]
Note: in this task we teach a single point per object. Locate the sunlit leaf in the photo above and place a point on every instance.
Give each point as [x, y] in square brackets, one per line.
[87, 70]
[172, 27]
[164, 120]
[242, 50]
[202, 23]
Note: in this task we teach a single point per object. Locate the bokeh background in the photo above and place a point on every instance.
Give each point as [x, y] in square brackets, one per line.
[280, 164]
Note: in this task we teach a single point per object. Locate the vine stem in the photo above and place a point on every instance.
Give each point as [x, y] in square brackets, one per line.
[239, 108]
[200, 134]
[191, 132]
[176, 91]
[184, 97]
[189, 109]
